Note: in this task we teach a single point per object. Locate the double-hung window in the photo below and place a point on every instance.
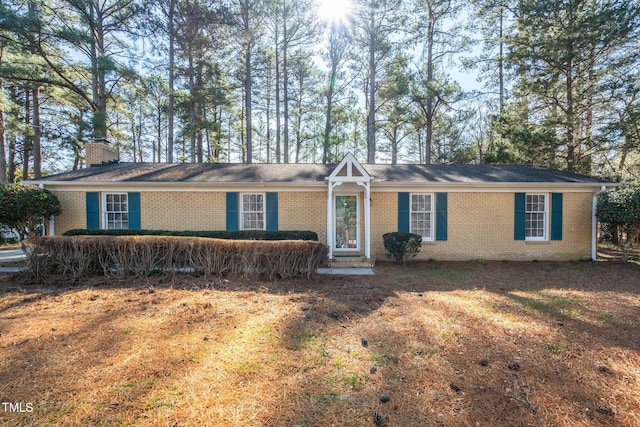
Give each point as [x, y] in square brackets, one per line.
[116, 211]
[421, 215]
[536, 222]
[252, 211]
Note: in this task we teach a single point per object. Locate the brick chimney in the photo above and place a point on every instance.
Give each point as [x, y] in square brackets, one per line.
[98, 153]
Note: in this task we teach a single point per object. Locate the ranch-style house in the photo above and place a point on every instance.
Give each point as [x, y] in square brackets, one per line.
[462, 212]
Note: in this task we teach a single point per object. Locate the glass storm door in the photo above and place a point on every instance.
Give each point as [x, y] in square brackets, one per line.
[347, 215]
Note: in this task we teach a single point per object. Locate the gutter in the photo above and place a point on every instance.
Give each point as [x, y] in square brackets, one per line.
[382, 185]
[594, 223]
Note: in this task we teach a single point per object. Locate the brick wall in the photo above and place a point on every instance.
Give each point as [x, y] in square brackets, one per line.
[480, 226]
[175, 210]
[73, 211]
[384, 219]
[303, 211]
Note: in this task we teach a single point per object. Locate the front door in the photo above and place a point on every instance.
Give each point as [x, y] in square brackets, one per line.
[347, 221]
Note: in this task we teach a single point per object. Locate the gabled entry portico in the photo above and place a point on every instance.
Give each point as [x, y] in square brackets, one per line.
[347, 186]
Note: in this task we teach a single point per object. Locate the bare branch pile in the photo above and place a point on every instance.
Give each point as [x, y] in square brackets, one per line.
[79, 256]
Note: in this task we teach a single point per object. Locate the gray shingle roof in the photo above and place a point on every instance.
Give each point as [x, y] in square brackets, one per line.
[312, 173]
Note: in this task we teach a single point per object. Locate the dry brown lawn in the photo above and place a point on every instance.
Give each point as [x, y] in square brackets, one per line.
[453, 344]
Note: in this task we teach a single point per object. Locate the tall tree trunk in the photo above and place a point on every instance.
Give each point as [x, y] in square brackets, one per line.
[37, 149]
[299, 114]
[285, 84]
[247, 103]
[268, 115]
[218, 138]
[371, 96]
[171, 107]
[327, 124]
[26, 145]
[333, 75]
[139, 136]
[192, 107]
[198, 118]
[570, 125]
[78, 141]
[77, 156]
[12, 138]
[429, 104]
[11, 160]
[394, 146]
[3, 154]
[277, 82]
[98, 75]
[207, 132]
[501, 60]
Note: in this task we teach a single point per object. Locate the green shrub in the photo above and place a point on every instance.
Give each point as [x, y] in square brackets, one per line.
[80, 256]
[24, 208]
[402, 246]
[8, 240]
[215, 234]
[619, 209]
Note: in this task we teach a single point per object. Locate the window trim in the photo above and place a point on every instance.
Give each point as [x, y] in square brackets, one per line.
[104, 217]
[546, 233]
[242, 212]
[432, 225]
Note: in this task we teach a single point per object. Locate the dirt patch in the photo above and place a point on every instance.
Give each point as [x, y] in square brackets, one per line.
[452, 344]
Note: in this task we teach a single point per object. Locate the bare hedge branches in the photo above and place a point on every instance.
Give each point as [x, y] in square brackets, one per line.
[144, 255]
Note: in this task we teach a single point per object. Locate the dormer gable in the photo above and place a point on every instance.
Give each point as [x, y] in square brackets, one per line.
[349, 170]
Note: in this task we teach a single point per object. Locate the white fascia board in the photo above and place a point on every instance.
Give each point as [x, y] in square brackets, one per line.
[186, 187]
[486, 187]
[376, 186]
[348, 179]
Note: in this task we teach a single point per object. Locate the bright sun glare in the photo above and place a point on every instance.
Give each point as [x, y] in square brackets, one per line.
[334, 10]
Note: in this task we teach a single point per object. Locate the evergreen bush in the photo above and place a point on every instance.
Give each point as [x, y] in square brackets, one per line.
[216, 234]
[402, 246]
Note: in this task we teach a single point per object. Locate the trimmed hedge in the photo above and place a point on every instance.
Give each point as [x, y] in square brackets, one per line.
[79, 256]
[215, 234]
[402, 246]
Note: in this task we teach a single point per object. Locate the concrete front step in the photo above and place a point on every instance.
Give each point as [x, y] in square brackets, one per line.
[350, 262]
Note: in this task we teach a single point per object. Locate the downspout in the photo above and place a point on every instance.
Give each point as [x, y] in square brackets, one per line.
[594, 223]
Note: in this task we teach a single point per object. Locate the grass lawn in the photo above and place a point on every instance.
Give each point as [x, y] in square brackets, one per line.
[450, 344]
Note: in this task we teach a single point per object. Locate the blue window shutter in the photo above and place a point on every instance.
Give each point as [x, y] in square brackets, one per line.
[441, 216]
[134, 211]
[232, 211]
[556, 216]
[519, 216]
[272, 211]
[92, 202]
[403, 212]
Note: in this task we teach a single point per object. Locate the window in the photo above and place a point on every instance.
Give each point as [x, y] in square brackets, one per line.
[421, 215]
[536, 217]
[116, 212]
[252, 212]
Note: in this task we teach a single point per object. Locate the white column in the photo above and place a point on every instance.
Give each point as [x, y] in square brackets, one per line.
[367, 218]
[329, 219]
[594, 224]
[331, 228]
